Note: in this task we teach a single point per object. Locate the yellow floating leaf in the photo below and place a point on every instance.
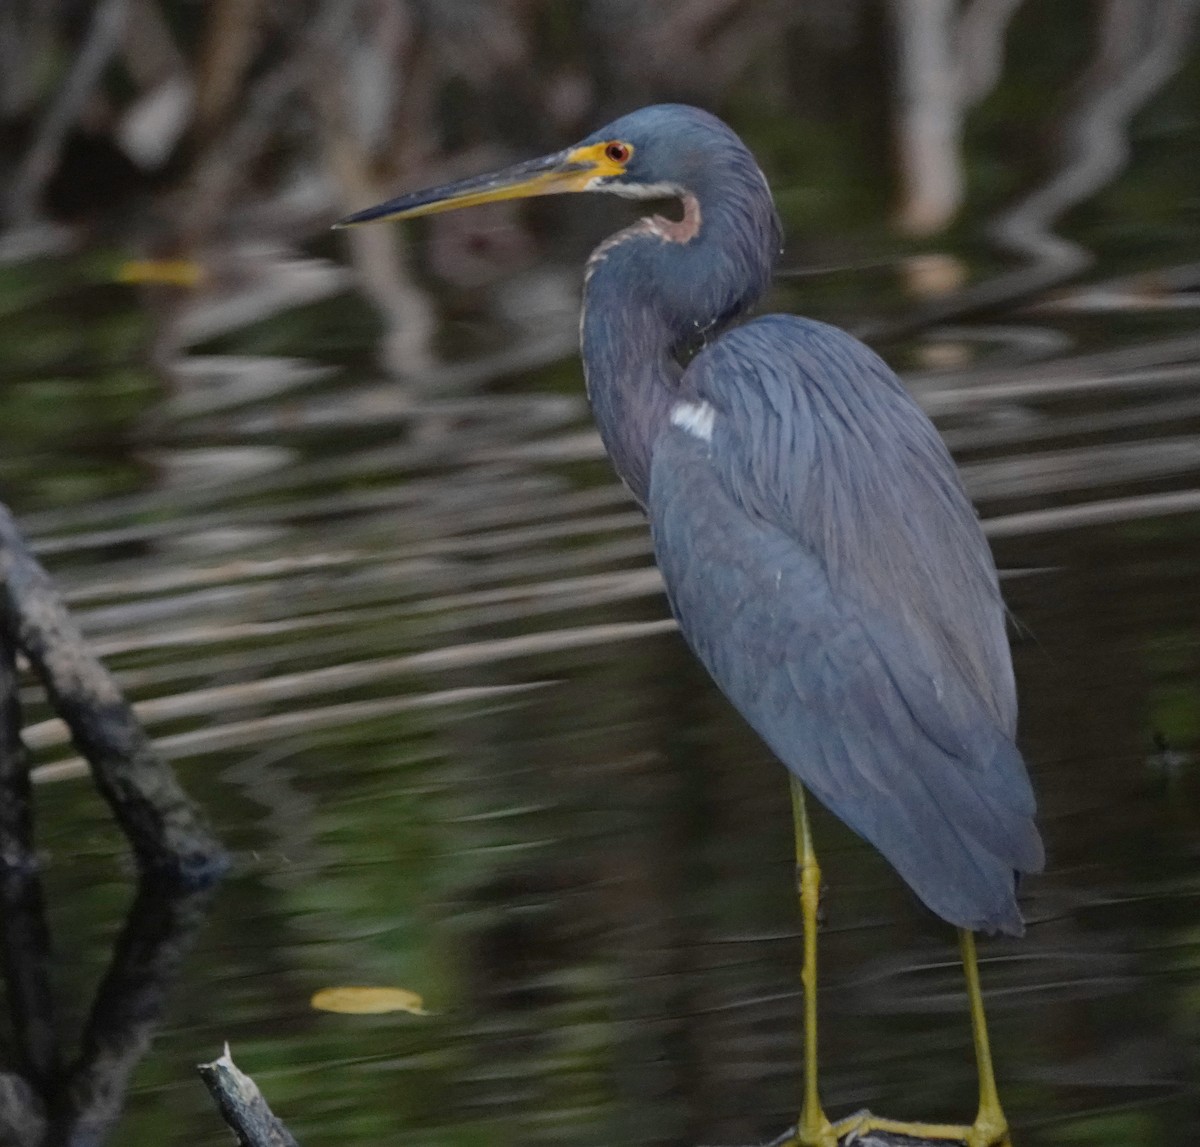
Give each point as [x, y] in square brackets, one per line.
[368, 1001]
[162, 272]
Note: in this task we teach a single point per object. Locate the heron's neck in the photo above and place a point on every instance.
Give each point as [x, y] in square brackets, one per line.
[655, 287]
[632, 375]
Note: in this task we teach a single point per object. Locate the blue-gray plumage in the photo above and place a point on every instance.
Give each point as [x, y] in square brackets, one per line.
[829, 607]
[818, 549]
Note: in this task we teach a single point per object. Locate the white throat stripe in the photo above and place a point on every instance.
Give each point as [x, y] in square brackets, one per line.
[613, 184]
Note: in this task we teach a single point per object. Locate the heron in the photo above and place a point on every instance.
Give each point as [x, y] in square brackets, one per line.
[819, 552]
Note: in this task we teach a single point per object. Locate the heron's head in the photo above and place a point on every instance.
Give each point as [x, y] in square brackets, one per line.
[697, 271]
[664, 151]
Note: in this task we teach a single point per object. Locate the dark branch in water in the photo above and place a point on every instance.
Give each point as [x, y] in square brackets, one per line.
[46, 1101]
[24, 939]
[165, 829]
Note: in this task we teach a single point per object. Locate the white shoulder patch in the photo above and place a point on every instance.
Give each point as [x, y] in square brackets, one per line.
[697, 418]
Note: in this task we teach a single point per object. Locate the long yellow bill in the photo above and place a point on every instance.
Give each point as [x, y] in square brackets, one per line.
[576, 169]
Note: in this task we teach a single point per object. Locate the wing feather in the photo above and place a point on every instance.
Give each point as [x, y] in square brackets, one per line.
[828, 570]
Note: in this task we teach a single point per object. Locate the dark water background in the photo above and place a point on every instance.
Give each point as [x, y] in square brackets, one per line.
[403, 640]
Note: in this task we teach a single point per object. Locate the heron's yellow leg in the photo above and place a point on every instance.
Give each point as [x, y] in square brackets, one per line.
[990, 1128]
[813, 1128]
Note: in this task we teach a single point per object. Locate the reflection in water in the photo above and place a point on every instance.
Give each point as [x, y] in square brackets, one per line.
[128, 1009]
[55, 1099]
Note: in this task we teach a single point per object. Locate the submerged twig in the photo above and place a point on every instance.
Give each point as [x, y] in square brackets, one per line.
[872, 1138]
[242, 1105]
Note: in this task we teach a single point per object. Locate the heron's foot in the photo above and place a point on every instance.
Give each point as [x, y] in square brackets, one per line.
[814, 1130]
[990, 1129]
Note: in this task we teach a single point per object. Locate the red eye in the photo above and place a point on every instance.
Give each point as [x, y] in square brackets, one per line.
[617, 152]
